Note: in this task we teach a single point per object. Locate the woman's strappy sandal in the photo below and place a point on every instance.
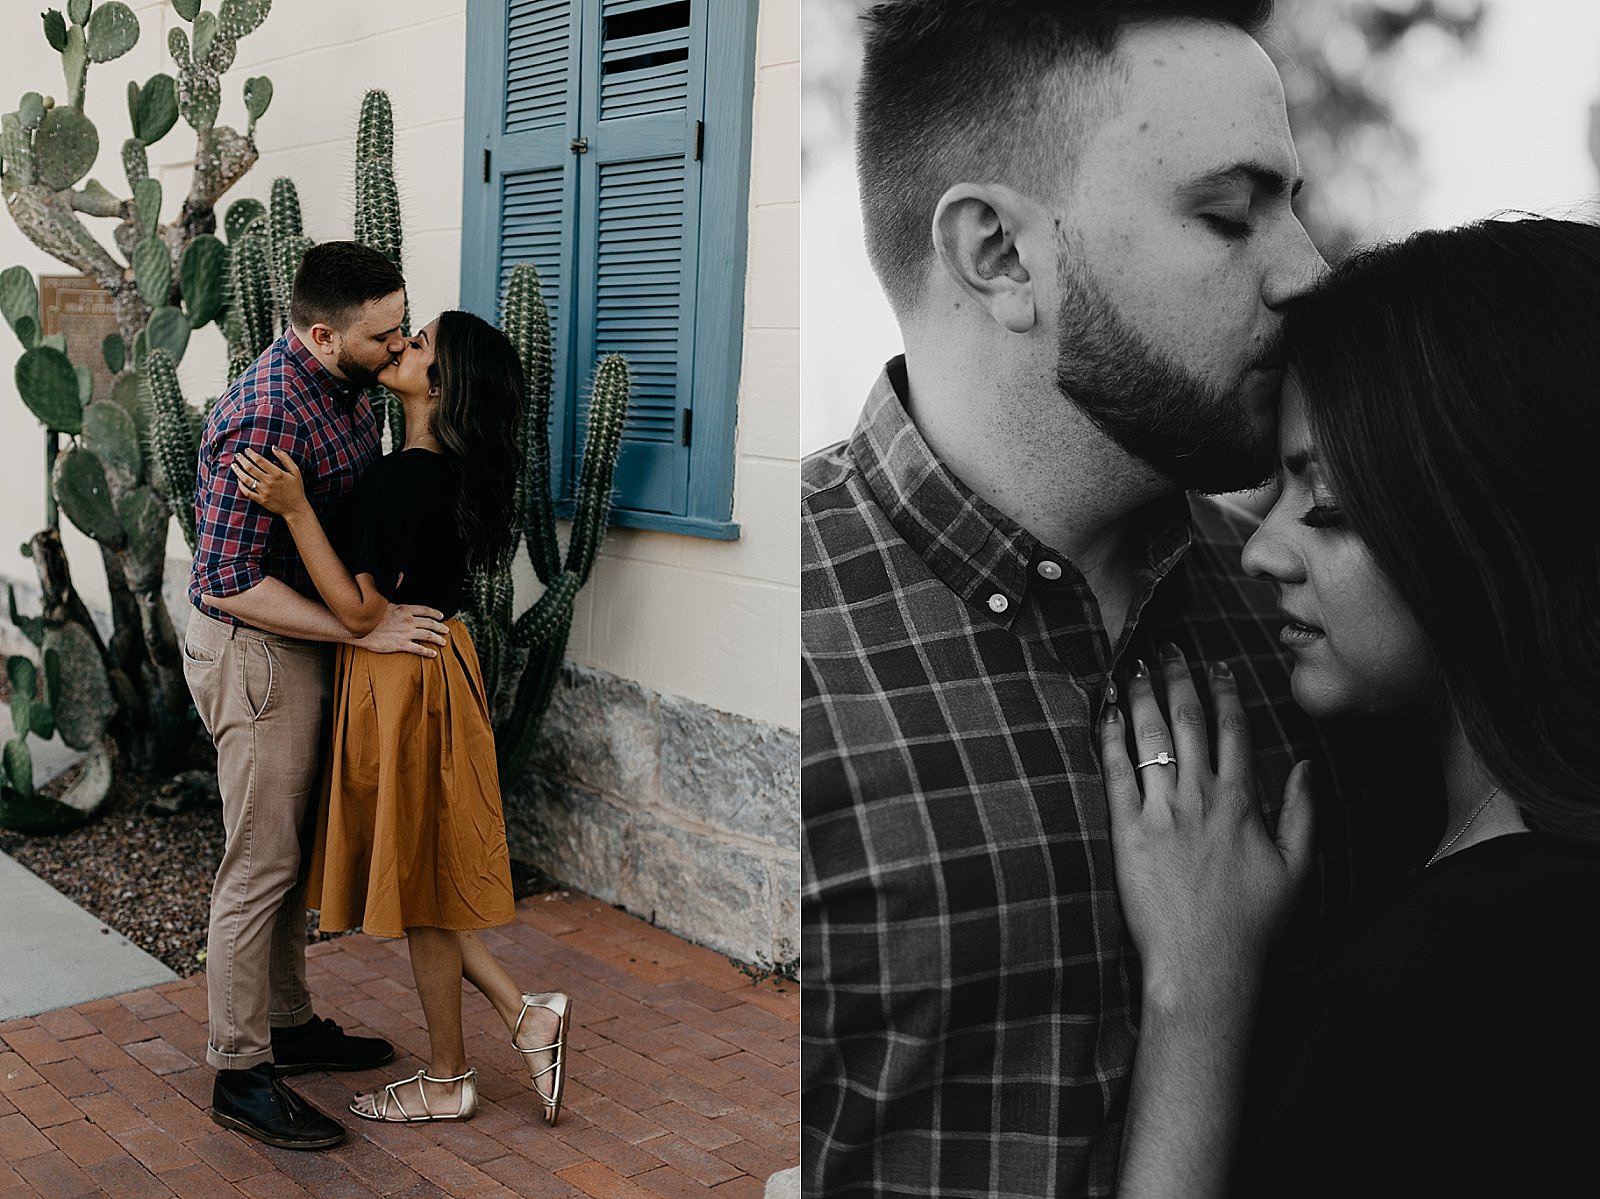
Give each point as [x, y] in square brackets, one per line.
[557, 1002]
[388, 1098]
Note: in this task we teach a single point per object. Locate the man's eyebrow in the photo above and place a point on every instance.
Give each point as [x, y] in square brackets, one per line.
[1258, 174]
[386, 333]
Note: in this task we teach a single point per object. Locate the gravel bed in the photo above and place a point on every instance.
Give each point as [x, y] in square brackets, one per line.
[148, 874]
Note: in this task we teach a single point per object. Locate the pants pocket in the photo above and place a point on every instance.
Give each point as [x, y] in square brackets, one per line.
[196, 656]
[259, 671]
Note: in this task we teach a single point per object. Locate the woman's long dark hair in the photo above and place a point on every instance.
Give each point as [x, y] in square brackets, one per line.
[478, 423]
[1452, 383]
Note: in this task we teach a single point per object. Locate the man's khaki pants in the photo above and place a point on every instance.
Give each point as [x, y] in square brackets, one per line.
[264, 700]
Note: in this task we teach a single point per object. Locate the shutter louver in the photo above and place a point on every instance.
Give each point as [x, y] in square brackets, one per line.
[532, 215]
[538, 50]
[638, 286]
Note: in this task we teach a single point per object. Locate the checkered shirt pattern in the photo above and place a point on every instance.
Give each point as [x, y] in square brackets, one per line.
[285, 398]
[970, 993]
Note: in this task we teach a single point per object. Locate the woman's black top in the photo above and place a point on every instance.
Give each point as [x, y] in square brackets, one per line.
[400, 520]
[1455, 1048]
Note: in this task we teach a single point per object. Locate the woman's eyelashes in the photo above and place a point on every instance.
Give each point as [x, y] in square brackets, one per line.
[1323, 515]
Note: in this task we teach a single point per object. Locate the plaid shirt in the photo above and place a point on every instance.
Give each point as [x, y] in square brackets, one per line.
[286, 398]
[969, 994]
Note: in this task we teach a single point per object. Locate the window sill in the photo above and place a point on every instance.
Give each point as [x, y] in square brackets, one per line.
[662, 522]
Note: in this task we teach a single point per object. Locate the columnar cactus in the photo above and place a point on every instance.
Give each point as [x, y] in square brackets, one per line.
[534, 643]
[284, 231]
[172, 438]
[377, 218]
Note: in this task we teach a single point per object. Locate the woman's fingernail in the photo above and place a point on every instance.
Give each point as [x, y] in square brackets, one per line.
[1111, 691]
[1140, 670]
[1171, 652]
[1222, 670]
[1111, 714]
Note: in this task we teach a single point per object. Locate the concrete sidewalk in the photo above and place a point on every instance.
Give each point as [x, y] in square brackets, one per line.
[683, 1080]
[56, 954]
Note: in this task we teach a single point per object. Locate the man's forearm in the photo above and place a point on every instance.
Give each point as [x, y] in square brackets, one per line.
[276, 607]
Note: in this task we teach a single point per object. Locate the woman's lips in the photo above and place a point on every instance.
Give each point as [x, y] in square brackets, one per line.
[1295, 633]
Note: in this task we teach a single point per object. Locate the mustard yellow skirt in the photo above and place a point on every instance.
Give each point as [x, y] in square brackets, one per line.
[410, 830]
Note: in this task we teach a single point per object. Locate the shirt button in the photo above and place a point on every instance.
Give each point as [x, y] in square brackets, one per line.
[1049, 570]
[998, 602]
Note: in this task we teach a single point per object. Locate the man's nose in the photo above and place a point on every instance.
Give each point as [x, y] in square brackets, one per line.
[1296, 269]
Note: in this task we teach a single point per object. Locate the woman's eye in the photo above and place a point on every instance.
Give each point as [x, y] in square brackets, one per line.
[1232, 228]
[1323, 516]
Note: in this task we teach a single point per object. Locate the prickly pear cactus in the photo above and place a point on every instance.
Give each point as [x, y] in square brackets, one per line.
[78, 704]
[171, 278]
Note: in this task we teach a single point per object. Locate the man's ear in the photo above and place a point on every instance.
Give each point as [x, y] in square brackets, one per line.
[982, 237]
[322, 336]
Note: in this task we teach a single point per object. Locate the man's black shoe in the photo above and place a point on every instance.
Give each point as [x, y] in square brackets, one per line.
[255, 1103]
[320, 1044]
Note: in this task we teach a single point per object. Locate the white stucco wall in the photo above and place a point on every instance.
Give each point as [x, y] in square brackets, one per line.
[714, 622]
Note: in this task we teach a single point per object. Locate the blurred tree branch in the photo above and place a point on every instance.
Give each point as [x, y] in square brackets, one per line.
[1340, 61]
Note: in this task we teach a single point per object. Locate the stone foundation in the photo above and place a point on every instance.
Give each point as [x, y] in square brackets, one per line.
[684, 815]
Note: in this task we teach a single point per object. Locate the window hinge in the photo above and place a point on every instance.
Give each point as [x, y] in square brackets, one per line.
[688, 425]
[699, 140]
[580, 145]
[487, 155]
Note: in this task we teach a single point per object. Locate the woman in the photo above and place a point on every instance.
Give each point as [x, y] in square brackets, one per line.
[410, 836]
[1435, 554]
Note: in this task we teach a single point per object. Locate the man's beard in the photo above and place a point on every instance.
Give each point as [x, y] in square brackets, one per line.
[361, 377]
[1193, 432]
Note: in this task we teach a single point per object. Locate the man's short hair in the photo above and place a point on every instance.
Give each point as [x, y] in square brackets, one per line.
[335, 279]
[962, 90]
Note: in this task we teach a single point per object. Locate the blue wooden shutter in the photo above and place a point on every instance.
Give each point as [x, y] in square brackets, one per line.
[522, 175]
[637, 230]
[595, 117]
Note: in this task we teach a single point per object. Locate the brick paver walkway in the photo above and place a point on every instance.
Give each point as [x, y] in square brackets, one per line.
[683, 1080]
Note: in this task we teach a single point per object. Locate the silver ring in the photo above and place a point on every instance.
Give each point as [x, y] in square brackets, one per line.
[250, 483]
[1161, 759]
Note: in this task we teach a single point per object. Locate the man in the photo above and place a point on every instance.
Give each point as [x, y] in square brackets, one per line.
[1081, 215]
[256, 659]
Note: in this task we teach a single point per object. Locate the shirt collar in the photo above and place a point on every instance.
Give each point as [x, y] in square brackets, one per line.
[975, 550]
[320, 376]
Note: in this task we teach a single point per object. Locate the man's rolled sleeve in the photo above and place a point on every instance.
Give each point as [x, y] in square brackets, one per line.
[232, 531]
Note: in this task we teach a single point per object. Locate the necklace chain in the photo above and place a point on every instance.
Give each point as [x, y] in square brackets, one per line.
[1460, 832]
